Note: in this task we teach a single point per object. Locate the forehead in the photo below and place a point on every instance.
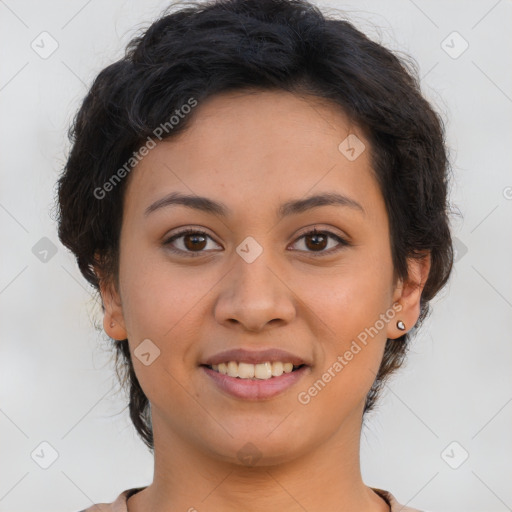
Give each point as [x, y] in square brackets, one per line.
[256, 147]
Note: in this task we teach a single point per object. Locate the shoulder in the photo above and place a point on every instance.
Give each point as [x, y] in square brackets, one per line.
[99, 507]
[118, 505]
[393, 503]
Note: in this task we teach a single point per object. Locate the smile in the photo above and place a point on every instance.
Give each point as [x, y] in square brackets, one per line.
[262, 371]
[253, 387]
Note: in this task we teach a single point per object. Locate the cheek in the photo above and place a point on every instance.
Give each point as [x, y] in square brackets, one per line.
[349, 298]
[159, 304]
[349, 306]
[163, 302]
[349, 354]
[158, 295]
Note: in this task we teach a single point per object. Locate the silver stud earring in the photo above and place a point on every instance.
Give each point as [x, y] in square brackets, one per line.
[112, 324]
[400, 325]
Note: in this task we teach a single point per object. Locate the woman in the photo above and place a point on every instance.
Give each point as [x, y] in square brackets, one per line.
[259, 194]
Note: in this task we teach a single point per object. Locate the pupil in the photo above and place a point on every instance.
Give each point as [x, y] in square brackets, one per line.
[194, 239]
[316, 244]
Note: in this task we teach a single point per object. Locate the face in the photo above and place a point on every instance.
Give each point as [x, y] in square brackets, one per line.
[252, 276]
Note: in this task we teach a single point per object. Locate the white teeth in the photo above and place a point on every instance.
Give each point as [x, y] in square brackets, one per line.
[277, 369]
[287, 367]
[232, 369]
[261, 371]
[245, 370]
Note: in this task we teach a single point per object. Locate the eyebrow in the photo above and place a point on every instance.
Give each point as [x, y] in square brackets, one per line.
[292, 207]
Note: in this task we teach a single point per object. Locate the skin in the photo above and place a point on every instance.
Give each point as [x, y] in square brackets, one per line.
[254, 151]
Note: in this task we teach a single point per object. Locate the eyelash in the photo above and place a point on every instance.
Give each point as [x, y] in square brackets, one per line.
[193, 254]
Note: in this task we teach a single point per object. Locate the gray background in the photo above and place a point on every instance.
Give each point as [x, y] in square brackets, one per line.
[56, 381]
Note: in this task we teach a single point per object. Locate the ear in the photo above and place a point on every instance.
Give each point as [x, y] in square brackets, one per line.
[407, 294]
[113, 320]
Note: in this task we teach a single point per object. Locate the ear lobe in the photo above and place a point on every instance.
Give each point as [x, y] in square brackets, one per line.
[408, 294]
[113, 320]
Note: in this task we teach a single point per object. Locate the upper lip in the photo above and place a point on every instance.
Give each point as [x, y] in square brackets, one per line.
[241, 355]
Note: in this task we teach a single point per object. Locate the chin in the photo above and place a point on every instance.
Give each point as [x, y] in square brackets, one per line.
[255, 448]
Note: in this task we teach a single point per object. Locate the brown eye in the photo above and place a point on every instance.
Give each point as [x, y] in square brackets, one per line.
[317, 241]
[192, 242]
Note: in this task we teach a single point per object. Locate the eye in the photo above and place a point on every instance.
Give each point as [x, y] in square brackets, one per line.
[193, 241]
[319, 240]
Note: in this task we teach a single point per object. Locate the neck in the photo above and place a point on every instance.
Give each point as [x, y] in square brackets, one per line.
[328, 478]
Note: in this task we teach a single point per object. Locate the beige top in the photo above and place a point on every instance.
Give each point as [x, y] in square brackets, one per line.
[119, 505]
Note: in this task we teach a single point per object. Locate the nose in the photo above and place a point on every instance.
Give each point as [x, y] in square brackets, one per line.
[254, 295]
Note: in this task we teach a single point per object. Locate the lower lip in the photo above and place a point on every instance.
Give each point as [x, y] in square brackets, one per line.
[256, 389]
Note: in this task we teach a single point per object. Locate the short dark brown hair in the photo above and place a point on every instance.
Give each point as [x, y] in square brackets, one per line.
[211, 47]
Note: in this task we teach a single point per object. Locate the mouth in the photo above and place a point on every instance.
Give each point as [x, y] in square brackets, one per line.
[254, 374]
[261, 371]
